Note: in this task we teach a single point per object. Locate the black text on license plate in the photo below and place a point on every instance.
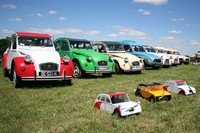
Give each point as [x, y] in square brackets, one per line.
[48, 74]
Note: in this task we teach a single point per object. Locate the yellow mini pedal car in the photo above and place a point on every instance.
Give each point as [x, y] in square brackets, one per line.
[152, 92]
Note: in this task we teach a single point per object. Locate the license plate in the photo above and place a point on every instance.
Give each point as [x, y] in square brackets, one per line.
[48, 74]
[135, 67]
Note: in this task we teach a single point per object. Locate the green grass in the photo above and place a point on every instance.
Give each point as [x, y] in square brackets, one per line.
[54, 107]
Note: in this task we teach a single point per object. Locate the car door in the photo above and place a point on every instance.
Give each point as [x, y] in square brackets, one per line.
[12, 52]
[108, 105]
[62, 46]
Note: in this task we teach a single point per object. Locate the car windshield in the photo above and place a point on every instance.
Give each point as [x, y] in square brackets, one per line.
[181, 83]
[114, 47]
[160, 51]
[151, 50]
[120, 98]
[176, 53]
[80, 45]
[168, 52]
[138, 48]
[34, 41]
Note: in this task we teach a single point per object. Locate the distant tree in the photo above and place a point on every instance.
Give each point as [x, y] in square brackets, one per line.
[4, 44]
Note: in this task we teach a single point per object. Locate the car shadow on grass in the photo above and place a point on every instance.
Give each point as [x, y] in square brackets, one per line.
[44, 84]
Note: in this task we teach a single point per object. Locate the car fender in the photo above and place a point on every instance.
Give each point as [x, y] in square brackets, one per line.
[97, 105]
[22, 68]
[84, 64]
[117, 109]
[5, 59]
[68, 66]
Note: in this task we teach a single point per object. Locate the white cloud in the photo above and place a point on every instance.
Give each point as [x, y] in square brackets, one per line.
[39, 14]
[144, 12]
[112, 35]
[175, 31]
[195, 43]
[52, 12]
[62, 18]
[15, 19]
[154, 2]
[127, 31]
[177, 19]
[169, 40]
[65, 31]
[192, 25]
[5, 33]
[11, 6]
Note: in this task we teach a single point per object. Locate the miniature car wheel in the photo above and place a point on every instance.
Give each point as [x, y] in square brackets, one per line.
[152, 99]
[16, 79]
[182, 93]
[116, 114]
[77, 70]
[5, 72]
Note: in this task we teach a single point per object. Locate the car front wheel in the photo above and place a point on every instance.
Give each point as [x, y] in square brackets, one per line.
[16, 79]
[78, 72]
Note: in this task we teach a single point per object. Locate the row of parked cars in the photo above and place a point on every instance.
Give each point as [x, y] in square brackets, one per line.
[35, 57]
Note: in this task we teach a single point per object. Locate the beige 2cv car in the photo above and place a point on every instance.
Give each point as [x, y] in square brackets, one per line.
[124, 62]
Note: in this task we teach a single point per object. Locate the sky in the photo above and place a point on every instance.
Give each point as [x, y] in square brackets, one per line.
[164, 23]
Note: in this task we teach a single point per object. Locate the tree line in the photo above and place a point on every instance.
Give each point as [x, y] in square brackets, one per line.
[4, 44]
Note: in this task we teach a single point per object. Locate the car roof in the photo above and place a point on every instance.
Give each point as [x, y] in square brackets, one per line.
[111, 42]
[117, 94]
[177, 81]
[152, 84]
[31, 34]
[79, 40]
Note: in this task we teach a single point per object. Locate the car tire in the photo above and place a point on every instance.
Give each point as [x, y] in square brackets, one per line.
[117, 68]
[78, 72]
[117, 114]
[152, 99]
[182, 93]
[5, 72]
[16, 79]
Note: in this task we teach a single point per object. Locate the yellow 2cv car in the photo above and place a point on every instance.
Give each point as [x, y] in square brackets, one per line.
[152, 92]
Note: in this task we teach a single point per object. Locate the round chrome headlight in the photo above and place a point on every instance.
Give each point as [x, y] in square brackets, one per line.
[28, 59]
[125, 59]
[149, 60]
[66, 58]
[89, 58]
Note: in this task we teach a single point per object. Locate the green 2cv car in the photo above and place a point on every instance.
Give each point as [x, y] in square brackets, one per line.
[85, 59]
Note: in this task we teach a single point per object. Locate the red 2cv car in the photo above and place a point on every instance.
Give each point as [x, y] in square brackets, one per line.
[32, 57]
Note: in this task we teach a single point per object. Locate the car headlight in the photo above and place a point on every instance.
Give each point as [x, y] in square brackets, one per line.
[149, 60]
[28, 59]
[125, 59]
[66, 58]
[89, 58]
[119, 106]
[170, 57]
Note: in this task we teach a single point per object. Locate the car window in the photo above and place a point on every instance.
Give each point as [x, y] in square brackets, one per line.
[107, 100]
[64, 46]
[103, 98]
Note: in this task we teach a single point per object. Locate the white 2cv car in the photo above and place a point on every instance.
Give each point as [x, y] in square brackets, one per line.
[118, 104]
[32, 57]
[179, 87]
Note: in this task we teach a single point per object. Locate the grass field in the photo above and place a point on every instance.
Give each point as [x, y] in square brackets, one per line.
[54, 107]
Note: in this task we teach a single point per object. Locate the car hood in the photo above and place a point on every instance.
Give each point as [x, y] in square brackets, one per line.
[86, 52]
[124, 55]
[146, 55]
[158, 93]
[40, 57]
[187, 88]
[127, 105]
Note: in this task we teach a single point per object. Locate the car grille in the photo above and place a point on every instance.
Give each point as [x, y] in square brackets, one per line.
[136, 63]
[157, 60]
[49, 66]
[102, 63]
[166, 61]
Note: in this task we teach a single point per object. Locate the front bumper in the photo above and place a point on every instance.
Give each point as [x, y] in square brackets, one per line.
[46, 78]
[102, 70]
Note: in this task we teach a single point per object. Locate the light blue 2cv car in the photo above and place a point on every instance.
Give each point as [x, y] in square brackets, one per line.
[150, 60]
